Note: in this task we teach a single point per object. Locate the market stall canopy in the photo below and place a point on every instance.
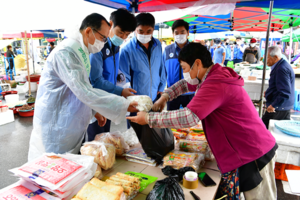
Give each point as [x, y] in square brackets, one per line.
[161, 5]
[35, 34]
[242, 19]
[295, 38]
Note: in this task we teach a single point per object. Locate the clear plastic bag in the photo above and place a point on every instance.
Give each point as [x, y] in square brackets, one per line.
[115, 139]
[144, 102]
[179, 159]
[209, 155]
[193, 145]
[98, 173]
[196, 136]
[130, 137]
[104, 153]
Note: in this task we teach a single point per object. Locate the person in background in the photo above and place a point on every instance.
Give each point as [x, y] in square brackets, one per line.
[163, 45]
[141, 59]
[228, 51]
[219, 53]
[180, 29]
[105, 64]
[238, 51]
[10, 57]
[288, 51]
[207, 44]
[280, 95]
[212, 48]
[244, 149]
[19, 51]
[252, 53]
[51, 47]
[279, 45]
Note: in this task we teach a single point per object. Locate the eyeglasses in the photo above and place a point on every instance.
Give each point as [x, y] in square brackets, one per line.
[104, 39]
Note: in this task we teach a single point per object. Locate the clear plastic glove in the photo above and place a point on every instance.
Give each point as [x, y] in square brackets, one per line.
[101, 119]
[160, 104]
[132, 107]
[126, 92]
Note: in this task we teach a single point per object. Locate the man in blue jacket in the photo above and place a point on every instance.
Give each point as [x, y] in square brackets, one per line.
[227, 51]
[105, 64]
[238, 51]
[180, 30]
[141, 59]
[280, 95]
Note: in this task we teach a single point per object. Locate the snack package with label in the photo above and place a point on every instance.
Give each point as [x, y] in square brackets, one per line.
[144, 102]
[179, 135]
[130, 137]
[195, 136]
[115, 139]
[185, 130]
[55, 171]
[179, 159]
[23, 190]
[144, 179]
[193, 146]
[104, 153]
[197, 129]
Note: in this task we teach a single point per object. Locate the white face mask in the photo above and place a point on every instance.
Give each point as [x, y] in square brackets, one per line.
[180, 39]
[187, 77]
[97, 46]
[144, 39]
[219, 44]
[252, 44]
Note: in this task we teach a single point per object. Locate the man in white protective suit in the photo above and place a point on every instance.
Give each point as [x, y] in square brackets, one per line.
[66, 101]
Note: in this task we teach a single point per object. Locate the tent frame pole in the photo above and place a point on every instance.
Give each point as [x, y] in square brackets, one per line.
[32, 52]
[27, 61]
[291, 44]
[265, 60]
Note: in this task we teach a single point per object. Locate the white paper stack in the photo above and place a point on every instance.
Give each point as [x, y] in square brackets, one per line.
[62, 176]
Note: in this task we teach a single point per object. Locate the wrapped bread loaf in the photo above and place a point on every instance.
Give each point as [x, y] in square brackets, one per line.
[91, 192]
[118, 190]
[98, 173]
[104, 154]
[115, 139]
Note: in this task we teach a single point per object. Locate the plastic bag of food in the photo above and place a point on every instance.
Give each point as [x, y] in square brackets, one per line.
[98, 173]
[196, 136]
[179, 135]
[209, 155]
[144, 102]
[144, 179]
[104, 153]
[156, 142]
[197, 129]
[179, 159]
[176, 173]
[166, 189]
[138, 155]
[130, 137]
[193, 145]
[115, 139]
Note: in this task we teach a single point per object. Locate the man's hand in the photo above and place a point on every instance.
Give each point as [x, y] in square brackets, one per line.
[132, 107]
[139, 119]
[126, 92]
[270, 109]
[159, 93]
[160, 104]
[101, 119]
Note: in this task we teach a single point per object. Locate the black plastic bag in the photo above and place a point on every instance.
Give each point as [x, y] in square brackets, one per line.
[176, 173]
[166, 189]
[156, 142]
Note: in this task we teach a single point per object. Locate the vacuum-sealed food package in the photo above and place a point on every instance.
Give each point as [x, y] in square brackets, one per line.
[144, 102]
[193, 145]
[104, 153]
[179, 159]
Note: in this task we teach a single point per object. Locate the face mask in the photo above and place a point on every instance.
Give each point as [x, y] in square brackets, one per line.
[252, 45]
[187, 77]
[117, 41]
[97, 46]
[219, 45]
[144, 39]
[226, 43]
[180, 39]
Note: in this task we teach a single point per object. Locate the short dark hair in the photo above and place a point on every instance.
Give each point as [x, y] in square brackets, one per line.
[9, 46]
[52, 43]
[278, 42]
[94, 21]
[194, 51]
[238, 38]
[145, 19]
[124, 19]
[179, 23]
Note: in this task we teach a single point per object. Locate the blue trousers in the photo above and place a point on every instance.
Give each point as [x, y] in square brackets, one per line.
[95, 129]
[237, 61]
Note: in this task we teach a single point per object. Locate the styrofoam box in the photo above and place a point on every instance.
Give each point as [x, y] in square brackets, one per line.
[6, 117]
[21, 78]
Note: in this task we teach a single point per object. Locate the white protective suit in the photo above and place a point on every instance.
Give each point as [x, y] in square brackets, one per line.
[65, 101]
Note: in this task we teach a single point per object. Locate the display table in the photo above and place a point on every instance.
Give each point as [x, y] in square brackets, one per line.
[253, 88]
[288, 146]
[205, 193]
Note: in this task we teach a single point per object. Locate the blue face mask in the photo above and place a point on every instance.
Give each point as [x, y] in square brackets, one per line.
[117, 41]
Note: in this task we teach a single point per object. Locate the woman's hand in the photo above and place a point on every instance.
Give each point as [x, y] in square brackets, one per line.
[160, 104]
[132, 107]
[141, 118]
[101, 119]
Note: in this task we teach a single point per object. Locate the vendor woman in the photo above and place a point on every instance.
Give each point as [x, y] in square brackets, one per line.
[244, 149]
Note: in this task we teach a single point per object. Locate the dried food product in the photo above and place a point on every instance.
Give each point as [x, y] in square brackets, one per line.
[193, 145]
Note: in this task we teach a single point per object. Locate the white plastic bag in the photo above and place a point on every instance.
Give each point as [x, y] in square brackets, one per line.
[130, 137]
[144, 102]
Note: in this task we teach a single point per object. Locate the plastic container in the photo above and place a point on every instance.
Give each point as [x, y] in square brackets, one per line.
[14, 110]
[33, 86]
[297, 100]
[26, 114]
[34, 78]
[280, 170]
[12, 98]
[4, 108]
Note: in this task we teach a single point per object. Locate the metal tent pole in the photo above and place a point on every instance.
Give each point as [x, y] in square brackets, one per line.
[32, 52]
[26, 46]
[291, 44]
[265, 60]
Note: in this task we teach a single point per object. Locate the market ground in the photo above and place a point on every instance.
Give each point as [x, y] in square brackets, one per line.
[14, 145]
